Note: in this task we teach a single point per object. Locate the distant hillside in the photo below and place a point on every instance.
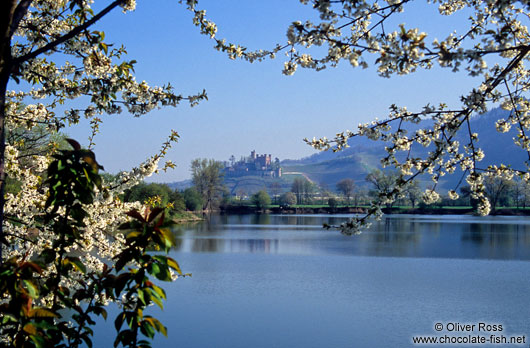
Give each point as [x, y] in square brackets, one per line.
[363, 155]
[330, 171]
[180, 185]
[247, 185]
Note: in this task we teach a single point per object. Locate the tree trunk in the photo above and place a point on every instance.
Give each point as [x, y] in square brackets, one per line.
[3, 87]
[7, 10]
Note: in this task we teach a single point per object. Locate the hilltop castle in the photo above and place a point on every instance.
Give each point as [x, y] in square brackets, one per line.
[258, 165]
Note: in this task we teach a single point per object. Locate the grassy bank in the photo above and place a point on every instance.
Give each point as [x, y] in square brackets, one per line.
[184, 216]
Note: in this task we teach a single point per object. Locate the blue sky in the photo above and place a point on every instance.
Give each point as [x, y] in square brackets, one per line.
[250, 106]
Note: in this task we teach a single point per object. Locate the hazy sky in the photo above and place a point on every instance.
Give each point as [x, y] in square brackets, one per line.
[250, 106]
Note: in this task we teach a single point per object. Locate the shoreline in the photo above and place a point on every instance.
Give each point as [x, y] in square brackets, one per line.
[185, 218]
[362, 210]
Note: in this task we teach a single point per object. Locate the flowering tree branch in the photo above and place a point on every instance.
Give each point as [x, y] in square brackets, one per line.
[71, 34]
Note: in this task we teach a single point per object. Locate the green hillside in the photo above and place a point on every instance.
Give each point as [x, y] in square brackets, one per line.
[332, 171]
[249, 184]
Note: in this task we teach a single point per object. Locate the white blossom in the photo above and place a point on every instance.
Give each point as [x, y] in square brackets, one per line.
[430, 196]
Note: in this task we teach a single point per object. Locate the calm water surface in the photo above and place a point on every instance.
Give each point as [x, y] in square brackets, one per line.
[283, 281]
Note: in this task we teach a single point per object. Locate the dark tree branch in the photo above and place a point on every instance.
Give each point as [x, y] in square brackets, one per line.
[71, 34]
[20, 12]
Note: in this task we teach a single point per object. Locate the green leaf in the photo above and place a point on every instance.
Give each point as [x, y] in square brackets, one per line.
[141, 296]
[30, 329]
[174, 265]
[158, 290]
[118, 322]
[147, 329]
[48, 255]
[31, 288]
[154, 269]
[39, 341]
[60, 165]
[166, 237]
[124, 337]
[75, 262]
[87, 340]
[8, 318]
[133, 234]
[163, 273]
[43, 313]
[100, 311]
[120, 282]
[157, 325]
[144, 344]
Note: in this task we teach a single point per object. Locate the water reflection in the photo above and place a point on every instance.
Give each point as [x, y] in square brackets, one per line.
[497, 234]
[396, 236]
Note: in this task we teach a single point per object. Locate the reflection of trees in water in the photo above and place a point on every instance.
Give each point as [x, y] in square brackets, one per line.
[494, 235]
[238, 219]
[229, 245]
[211, 223]
[260, 219]
[223, 219]
[296, 220]
[254, 245]
[389, 237]
[393, 236]
[306, 220]
[272, 220]
[291, 220]
[333, 220]
[207, 245]
[178, 234]
[213, 234]
[397, 231]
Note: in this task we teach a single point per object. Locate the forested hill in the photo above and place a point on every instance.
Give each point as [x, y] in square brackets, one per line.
[363, 155]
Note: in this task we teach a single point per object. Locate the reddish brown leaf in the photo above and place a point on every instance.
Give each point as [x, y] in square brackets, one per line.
[160, 221]
[136, 215]
[31, 265]
[74, 144]
[154, 213]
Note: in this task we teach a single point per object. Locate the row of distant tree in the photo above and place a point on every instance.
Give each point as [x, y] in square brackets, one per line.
[162, 195]
[500, 192]
[209, 193]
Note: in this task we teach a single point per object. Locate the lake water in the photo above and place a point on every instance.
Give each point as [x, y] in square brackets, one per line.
[283, 281]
